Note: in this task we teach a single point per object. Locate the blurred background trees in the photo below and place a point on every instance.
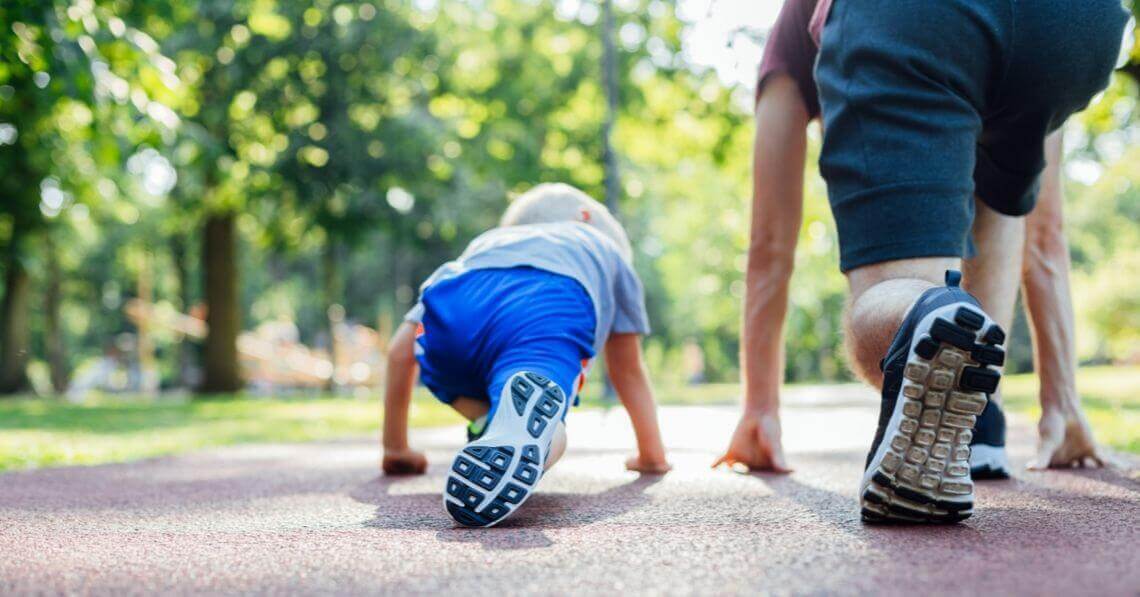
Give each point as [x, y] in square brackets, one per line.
[263, 163]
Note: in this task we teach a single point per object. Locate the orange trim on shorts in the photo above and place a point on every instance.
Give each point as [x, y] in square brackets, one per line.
[582, 376]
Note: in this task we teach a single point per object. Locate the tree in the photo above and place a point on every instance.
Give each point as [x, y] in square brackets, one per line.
[348, 93]
[219, 46]
[67, 75]
[610, 82]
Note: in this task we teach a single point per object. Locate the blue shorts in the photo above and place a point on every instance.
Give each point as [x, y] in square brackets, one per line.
[483, 326]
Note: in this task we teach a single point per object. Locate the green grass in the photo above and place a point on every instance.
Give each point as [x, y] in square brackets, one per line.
[38, 433]
[1110, 395]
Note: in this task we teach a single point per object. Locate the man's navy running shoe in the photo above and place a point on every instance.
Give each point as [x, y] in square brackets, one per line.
[944, 360]
[499, 469]
[987, 451]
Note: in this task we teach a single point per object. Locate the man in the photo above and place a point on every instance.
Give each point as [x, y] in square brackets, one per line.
[928, 126]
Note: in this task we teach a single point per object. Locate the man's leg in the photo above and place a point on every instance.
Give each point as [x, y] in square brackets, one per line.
[933, 345]
[991, 274]
[899, 156]
[881, 295]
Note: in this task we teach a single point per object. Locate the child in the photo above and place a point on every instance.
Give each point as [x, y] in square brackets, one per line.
[504, 335]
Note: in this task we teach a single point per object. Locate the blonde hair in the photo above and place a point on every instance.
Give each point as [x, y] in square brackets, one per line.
[559, 202]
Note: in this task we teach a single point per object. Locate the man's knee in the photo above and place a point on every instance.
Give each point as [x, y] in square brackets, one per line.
[1045, 240]
[928, 270]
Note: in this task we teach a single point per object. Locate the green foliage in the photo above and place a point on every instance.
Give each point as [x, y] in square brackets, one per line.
[363, 143]
[69, 75]
[1107, 395]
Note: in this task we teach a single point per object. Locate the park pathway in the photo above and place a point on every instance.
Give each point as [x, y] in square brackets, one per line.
[317, 518]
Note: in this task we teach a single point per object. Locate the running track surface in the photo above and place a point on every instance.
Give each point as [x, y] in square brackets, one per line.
[318, 518]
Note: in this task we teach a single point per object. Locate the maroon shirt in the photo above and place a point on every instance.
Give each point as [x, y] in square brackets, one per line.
[792, 50]
[818, 19]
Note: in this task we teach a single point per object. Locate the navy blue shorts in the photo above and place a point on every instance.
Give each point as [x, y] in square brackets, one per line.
[483, 326]
[927, 103]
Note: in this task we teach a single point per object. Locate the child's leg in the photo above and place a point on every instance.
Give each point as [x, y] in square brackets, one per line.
[471, 408]
[534, 328]
[496, 472]
[475, 411]
[532, 383]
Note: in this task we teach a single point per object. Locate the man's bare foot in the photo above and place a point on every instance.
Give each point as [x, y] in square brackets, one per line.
[647, 466]
[756, 444]
[1065, 440]
[404, 462]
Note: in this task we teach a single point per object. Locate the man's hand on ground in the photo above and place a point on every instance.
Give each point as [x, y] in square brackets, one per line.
[404, 462]
[1065, 440]
[756, 444]
[648, 466]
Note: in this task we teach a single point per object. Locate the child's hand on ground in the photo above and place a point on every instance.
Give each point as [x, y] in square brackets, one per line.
[756, 444]
[1066, 441]
[648, 466]
[404, 462]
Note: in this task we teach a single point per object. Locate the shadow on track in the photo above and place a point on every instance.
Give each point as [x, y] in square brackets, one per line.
[524, 530]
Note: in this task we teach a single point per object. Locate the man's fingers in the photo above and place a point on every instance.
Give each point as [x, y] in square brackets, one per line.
[780, 465]
[722, 460]
[769, 454]
[1047, 448]
[762, 443]
[1043, 460]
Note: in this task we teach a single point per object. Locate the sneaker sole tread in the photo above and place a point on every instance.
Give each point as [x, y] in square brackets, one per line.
[923, 474]
[493, 475]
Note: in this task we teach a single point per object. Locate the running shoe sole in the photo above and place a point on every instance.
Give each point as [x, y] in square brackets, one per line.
[493, 475]
[921, 469]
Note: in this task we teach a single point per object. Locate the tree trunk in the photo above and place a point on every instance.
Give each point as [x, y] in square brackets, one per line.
[334, 313]
[222, 371]
[610, 83]
[14, 325]
[182, 353]
[53, 298]
[144, 343]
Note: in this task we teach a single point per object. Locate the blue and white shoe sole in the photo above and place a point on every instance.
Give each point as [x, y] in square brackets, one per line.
[493, 475]
[921, 469]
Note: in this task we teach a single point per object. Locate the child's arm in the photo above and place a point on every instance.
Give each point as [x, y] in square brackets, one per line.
[398, 458]
[627, 373]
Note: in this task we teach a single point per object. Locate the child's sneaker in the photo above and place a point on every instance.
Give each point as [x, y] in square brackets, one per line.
[494, 474]
[944, 360]
[987, 451]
